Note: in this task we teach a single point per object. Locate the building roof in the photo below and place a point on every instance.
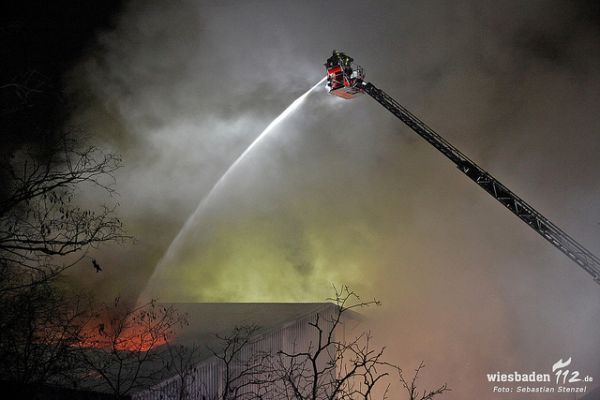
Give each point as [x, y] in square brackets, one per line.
[207, 320]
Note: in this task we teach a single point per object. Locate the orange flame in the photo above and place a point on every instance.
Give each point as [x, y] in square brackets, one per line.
[130, 338]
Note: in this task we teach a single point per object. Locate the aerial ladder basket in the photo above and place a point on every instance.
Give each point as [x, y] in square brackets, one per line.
[343, 76]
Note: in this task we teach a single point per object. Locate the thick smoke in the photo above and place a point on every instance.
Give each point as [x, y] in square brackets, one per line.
[342, 191]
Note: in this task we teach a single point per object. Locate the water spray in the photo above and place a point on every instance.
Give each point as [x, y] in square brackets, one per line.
[289, 110]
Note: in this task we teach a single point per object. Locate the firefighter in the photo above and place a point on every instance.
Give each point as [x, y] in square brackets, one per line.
[339, 58]
[346, 60]
[332, 61]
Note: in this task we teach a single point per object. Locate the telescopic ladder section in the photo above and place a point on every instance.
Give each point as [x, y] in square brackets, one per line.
[553, 234]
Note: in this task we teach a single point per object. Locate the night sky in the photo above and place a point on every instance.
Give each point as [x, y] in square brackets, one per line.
[341, 191]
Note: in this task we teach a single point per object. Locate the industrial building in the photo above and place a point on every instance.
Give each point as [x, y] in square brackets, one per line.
[279, 327]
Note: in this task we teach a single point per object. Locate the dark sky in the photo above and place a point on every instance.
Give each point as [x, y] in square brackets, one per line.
[39, 43]
[341, 191]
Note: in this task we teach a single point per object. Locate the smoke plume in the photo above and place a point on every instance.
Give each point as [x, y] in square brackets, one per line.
[343, 192]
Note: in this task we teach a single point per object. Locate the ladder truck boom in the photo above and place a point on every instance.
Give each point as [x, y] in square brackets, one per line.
[346, 80]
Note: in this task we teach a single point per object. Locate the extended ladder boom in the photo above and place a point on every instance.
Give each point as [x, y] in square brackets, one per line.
[576, 252]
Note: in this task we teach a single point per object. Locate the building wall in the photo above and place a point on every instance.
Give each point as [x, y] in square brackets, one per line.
[206, 380]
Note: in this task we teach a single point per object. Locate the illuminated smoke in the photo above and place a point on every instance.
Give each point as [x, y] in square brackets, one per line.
[465, 285]
[172, 249]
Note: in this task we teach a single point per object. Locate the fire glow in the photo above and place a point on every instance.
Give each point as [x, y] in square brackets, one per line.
[134, 338]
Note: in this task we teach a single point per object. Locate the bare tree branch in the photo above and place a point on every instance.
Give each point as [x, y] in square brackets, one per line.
[126, 348]
[246, 371]
[38, 327]
[412, 390]
[333, 367]
[41, 220]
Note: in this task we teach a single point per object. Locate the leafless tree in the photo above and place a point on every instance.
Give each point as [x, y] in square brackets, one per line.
[43, 229]
[335, 363]
[180, 363]
[38, 330]
[247, 373]
[243, 368]
[45, 226]
[411, 386]
[333, 367]
[126, 349]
